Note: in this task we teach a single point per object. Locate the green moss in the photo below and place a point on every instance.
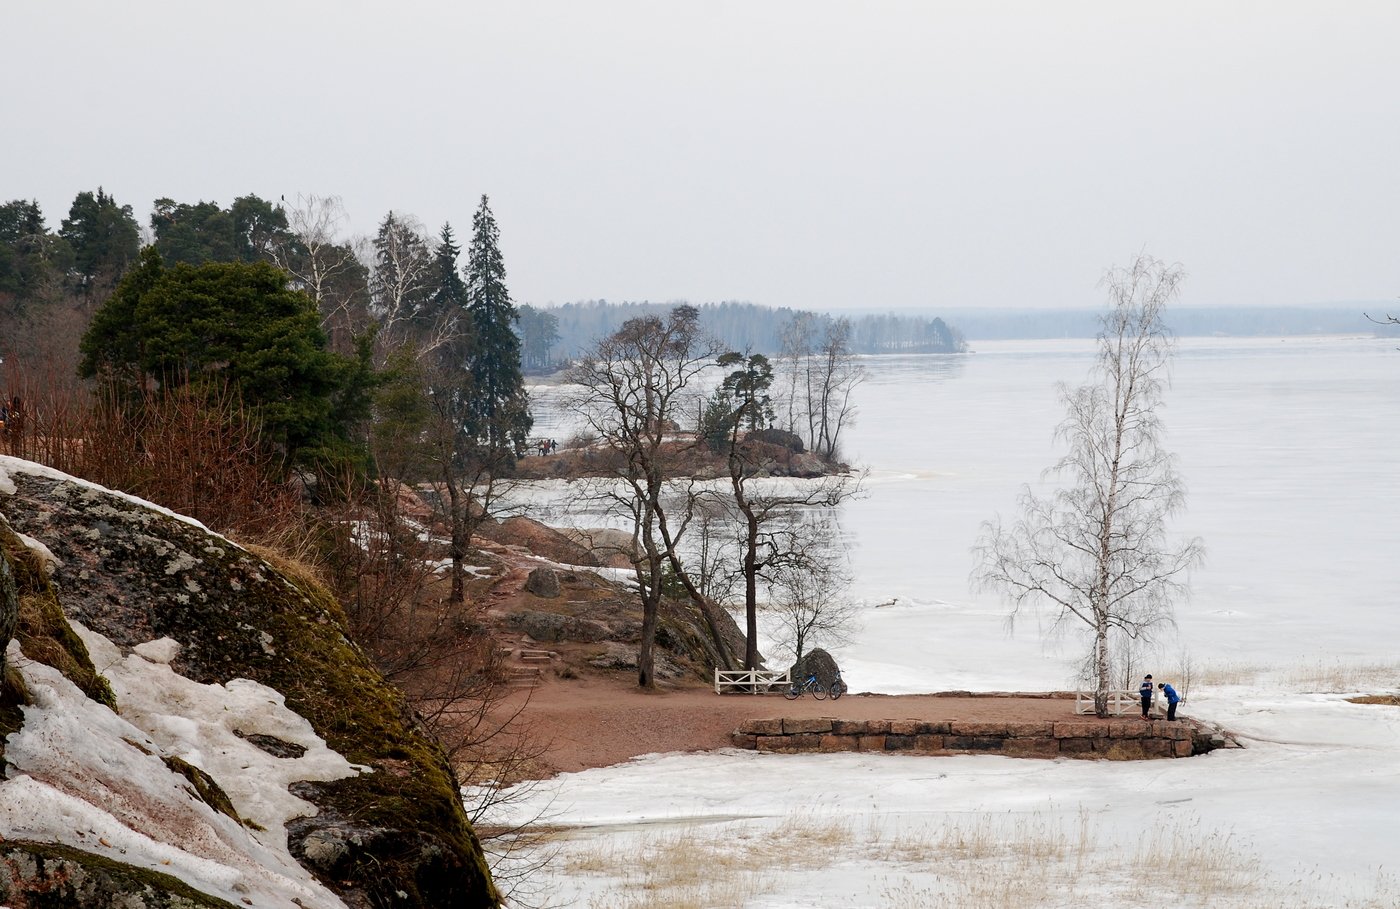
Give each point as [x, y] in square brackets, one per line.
[205, 788]
[364, 718]
[44, 633]
[47, 876]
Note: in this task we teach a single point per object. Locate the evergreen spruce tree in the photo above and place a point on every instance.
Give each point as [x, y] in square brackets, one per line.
[499, 416]
[448, 297]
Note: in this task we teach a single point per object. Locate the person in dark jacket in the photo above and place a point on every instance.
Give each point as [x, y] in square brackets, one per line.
[1172, 699]
[1145, 693]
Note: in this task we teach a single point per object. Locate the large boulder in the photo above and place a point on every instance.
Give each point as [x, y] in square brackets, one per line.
[192, 707]
[539, 539]
[543, 582]
[551, 627]
[780, 437]
[608, 547]
[816, 662]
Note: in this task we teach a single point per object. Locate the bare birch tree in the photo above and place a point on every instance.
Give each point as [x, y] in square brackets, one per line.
[328, 268]
[808, 599]
[1095, 551]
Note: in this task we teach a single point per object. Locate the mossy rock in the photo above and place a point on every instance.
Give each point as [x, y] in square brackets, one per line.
[134, 574]
[45, 876]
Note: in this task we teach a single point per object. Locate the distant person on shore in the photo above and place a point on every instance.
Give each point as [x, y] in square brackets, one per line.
[1145, 694]
[1172, 699]
[553, 446]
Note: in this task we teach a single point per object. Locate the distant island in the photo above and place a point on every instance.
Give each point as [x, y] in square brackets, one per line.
[551, 335]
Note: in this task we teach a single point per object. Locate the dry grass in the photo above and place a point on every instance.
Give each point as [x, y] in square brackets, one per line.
[1385, 700]
[1337, 677]
[1322, 677]
[1010, 861]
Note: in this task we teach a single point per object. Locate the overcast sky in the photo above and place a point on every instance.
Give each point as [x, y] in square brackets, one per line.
[814, 154]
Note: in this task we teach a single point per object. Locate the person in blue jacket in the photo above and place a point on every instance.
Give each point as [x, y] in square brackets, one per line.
[1172, 699]
[1145, 694]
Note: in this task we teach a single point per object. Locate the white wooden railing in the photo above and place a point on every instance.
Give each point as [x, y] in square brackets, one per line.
[1119, 702]
[752, 681]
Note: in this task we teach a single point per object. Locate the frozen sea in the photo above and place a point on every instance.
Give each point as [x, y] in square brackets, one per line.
[1288, 448]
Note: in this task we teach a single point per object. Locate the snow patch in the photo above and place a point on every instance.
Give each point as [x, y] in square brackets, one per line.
[83, 776]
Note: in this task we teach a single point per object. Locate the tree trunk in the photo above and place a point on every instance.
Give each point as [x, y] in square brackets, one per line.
[751, 656]
[1102, 682]
[459, 545]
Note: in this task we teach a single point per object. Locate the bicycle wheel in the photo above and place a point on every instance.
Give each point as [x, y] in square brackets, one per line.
[793, 692]
[818, 691]
[837, 689]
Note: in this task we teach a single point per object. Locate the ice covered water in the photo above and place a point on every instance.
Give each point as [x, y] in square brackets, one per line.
[1287, 447]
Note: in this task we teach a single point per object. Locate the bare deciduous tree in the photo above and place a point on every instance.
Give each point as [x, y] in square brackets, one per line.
[768, 539]
[808, 599]
[633, 387]
[1096, 551]
[819, 375]
[328, 268]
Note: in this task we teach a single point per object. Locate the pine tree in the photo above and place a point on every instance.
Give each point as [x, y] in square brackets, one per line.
[104, 237]
[500, 415]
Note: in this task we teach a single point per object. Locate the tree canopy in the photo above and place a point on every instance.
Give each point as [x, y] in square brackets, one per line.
[237, 323]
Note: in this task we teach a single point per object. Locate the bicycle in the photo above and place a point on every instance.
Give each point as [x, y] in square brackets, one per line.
[820, 692]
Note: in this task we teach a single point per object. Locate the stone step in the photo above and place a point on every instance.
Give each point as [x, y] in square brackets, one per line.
[536, 656]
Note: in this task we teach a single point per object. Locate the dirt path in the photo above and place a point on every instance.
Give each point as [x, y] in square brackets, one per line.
[601, 722]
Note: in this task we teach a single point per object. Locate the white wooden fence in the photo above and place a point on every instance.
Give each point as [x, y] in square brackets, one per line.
[1119, 703]
[751, 681]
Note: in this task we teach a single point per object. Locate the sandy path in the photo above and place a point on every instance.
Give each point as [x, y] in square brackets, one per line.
[600, 722]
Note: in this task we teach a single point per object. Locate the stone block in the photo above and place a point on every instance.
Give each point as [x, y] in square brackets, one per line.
[1134, 730]
[1183, 749]
[900, 742]
[849, 727]
[870, 743]
[1120, 749]
[1182, 733]
[793, 726]
[831, 743]
[775, 744]
[973, 742]
[1158, 748]
[969, 728]
[761, 727]
[806, 741]
[1081, 730]
[878, 727]
[1043, 730]
[1073, 747]
[928, 743]
[905, 727]
[1043, 747]
[741, 740]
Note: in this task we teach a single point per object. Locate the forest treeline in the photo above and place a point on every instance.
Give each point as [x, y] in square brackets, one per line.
[573, 327]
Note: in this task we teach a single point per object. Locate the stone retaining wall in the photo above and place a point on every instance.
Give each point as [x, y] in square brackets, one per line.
[1115, 740]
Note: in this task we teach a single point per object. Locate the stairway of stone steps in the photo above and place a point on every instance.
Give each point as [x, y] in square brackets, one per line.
[524, 664]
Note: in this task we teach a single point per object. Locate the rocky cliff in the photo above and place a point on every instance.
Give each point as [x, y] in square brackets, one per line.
[182, 724]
